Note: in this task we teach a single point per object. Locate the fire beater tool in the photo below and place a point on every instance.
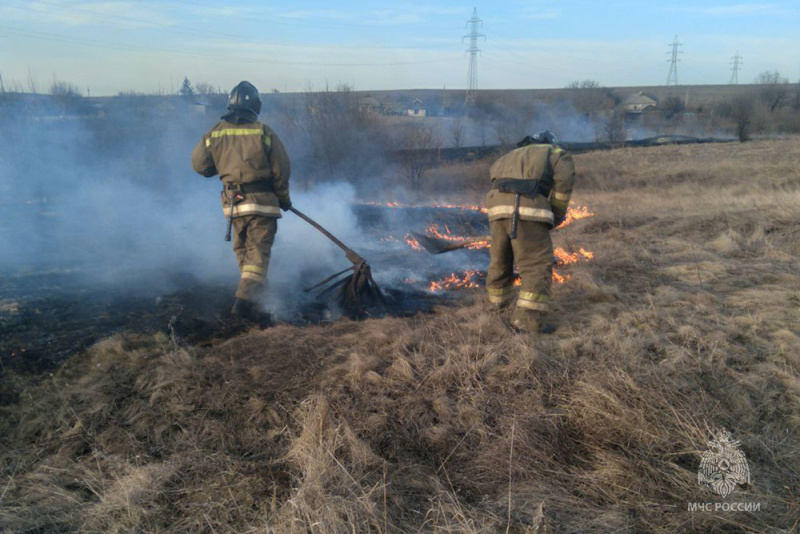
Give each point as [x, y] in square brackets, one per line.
[435, 245]
[355, 290]
[518, 188]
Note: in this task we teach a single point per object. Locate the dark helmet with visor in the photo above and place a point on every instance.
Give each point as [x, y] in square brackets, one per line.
[545, 137]
[244, 98]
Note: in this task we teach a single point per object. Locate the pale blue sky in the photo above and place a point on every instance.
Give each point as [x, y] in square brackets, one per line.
[110, 46]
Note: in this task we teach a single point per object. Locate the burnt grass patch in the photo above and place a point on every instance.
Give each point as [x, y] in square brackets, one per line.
[446, 421]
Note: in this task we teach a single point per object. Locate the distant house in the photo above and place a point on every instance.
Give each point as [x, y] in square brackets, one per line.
[417, 108]
[200, 105]
[636, 104]
[368, 104]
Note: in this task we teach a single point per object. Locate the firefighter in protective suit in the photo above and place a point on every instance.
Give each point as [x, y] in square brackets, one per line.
[531, 187]
[254, 169]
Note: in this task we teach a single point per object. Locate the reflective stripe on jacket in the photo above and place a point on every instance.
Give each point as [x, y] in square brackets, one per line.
[241, 154]
[551, 165]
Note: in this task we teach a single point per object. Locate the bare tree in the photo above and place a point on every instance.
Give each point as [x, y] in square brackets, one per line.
[741, 111]
[203, 88]
[334, 137]
[480, 122]
[774, 90]
[457, 130]
[419, 144]
[64, 89]
[512, 127]
[614, 127]
[329, 121]
[33, 86]
[589, 97]
[505, 133]
[583, 84]
[672, 106]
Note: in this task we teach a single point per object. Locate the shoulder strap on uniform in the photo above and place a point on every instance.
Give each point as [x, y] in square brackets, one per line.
[266, 138]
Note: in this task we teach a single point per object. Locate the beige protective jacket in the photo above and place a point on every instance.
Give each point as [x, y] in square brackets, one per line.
[551, 165]
[244, 154]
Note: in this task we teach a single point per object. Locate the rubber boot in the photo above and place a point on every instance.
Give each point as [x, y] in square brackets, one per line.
[245, 310]
[242, 308]
[531, 322]
[262, 319]
[495, 307]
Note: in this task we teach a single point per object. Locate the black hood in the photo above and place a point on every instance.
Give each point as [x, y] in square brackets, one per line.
[240, 116]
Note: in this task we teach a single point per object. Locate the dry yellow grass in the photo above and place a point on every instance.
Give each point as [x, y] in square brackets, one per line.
[686, 322]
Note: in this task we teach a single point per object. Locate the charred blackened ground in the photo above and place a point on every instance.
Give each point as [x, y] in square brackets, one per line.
[49, 314]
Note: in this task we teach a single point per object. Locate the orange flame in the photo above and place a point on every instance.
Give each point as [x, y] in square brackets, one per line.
[454, 281]
[433, 231]
[559, 279]
[412, 242]
[575, 213]
[470, 277]
[471, 207]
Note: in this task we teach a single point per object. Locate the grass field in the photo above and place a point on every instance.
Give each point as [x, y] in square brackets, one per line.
[685, 323]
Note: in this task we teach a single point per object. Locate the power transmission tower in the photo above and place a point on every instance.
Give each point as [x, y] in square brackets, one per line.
[672, 77]
[737, 65]
[472, 83]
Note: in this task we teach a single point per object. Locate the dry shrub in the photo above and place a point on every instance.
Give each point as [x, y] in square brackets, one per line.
[685, 323]
[339, 486]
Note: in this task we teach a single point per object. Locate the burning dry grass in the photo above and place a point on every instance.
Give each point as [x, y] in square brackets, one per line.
[684, 323]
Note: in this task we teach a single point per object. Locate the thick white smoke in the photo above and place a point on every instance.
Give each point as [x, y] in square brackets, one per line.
[115, 199]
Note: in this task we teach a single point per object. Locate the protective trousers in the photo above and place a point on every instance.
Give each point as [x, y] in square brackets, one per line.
[253, 236]
[532, 251]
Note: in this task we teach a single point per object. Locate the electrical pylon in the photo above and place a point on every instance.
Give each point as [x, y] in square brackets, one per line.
[473, 50]
[737, 66]
[672, 77]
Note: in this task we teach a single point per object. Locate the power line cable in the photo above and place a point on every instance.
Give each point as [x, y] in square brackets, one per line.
[378, 27]
[148, 26]
[252, 19]
[127, 47]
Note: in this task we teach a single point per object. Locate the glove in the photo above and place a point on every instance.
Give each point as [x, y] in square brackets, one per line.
[286, 205]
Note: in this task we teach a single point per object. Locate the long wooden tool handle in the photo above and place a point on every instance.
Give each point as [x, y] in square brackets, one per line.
[465, 243]
[476, 239]
[316, 225]
[351, 255]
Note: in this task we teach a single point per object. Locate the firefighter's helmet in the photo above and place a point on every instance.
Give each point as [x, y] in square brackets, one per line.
[245, 97]
[545, 137]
